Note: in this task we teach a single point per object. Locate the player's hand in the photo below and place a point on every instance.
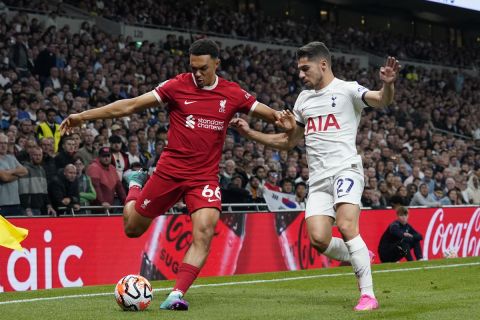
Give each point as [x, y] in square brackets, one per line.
[285, 120]
[72, 121]
[240, 125]
[389, 72]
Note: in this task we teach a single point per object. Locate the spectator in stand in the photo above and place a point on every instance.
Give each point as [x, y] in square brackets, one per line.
[134, 154]
[304, 173]
[439, 196]
[53, 80]
[253, 187]
[400, 198]
[428, 179]
[86, 190]
[46, 60]
[450, 184]
[50, 128]
[301, 194]
[119, 158]
[422, 198]
[474, 189]
[67, 152]
[455, 197]
[227, 175]
[272, 181]
[48, 162]
[33, 188]
[10, 171]
[26, 129]
[18, 55]
[63, 190]
[87, 152]
[291, 172]
[287, 186]
[105, 180]
[399, 239]
[236, 192]
[260, 172]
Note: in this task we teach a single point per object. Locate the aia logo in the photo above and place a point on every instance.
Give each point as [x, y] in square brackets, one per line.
[222, 106]
[321, 124]
[333, 101]
[190, 122]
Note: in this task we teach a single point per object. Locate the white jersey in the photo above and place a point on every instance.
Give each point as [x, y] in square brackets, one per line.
[331, 117]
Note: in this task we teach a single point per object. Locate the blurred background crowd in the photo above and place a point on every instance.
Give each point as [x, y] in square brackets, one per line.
[423, 150]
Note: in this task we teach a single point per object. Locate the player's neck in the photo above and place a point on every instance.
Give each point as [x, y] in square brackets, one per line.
[327, 79]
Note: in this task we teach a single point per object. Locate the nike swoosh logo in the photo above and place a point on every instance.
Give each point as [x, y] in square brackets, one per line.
[189, 102]
[213, 200]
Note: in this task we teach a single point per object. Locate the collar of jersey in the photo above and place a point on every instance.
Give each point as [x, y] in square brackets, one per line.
[323, 90]
[213, 86]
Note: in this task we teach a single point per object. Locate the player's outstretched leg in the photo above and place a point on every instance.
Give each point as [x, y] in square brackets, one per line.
[347, 222]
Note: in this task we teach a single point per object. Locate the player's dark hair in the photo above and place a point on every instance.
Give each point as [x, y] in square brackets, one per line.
[205, 46]
[314, 50]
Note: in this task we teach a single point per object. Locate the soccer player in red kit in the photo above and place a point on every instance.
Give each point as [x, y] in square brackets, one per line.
[201, 104]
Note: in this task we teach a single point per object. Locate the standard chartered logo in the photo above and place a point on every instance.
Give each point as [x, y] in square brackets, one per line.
[210, 124]
[190, 122]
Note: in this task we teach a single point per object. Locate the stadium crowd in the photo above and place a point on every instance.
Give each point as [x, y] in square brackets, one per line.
[202, 17]
[258, 26]
[48, 72]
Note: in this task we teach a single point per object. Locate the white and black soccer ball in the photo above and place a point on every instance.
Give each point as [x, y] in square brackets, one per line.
[133, 293]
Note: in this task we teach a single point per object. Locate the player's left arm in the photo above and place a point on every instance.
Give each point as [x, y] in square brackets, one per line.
[266, 113]
[388, 75]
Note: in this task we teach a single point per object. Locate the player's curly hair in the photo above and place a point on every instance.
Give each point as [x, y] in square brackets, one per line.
[205, 46]
[314, 50]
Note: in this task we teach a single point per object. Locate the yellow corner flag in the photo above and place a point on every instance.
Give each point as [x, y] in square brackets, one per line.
[11, 236]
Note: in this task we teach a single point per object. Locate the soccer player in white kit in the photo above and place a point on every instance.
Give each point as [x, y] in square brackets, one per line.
[328, 115]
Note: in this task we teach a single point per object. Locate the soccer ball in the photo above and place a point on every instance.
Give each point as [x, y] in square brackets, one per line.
[133, 293]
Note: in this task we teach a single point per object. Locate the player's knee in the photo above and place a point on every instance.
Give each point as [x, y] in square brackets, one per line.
[132, 232]
[319, 242]
[347, 228]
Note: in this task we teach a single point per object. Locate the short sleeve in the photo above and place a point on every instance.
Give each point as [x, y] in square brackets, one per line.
[358, 95]
[296, 110]
[164, 92]
[245, 101]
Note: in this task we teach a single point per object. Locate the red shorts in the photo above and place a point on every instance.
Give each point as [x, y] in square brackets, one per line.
[160, 193]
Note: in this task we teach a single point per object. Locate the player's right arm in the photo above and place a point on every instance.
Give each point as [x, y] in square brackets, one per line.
[284, 141]
[117, 109]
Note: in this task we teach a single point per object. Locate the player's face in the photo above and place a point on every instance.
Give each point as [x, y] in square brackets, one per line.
[203, 69]
[311, 71]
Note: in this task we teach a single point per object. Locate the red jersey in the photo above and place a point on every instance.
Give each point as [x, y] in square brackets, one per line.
[199, 120]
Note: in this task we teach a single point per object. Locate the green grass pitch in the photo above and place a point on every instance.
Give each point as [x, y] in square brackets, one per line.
[438, 289]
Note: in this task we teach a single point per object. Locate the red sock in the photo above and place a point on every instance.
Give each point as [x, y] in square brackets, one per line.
[133, 194]
[185, 277]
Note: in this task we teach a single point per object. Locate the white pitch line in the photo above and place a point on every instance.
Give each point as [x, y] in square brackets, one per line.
[222, 284]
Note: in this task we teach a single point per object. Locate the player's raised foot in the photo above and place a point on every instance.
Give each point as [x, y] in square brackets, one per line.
[137, 178]
[174, 301]
[366, 303]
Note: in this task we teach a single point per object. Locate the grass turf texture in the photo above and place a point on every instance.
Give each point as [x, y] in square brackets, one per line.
[418, 290]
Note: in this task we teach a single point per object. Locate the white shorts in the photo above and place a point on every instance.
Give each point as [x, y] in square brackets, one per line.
[324, 195]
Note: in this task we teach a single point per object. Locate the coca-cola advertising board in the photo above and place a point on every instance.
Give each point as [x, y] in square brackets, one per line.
[79, 251]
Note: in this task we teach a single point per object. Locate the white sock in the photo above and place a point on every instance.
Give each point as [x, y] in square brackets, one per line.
[361, 264]
[176, 293]
[337, 250]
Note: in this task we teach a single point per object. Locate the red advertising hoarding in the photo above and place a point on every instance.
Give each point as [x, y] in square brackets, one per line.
[79, 251]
